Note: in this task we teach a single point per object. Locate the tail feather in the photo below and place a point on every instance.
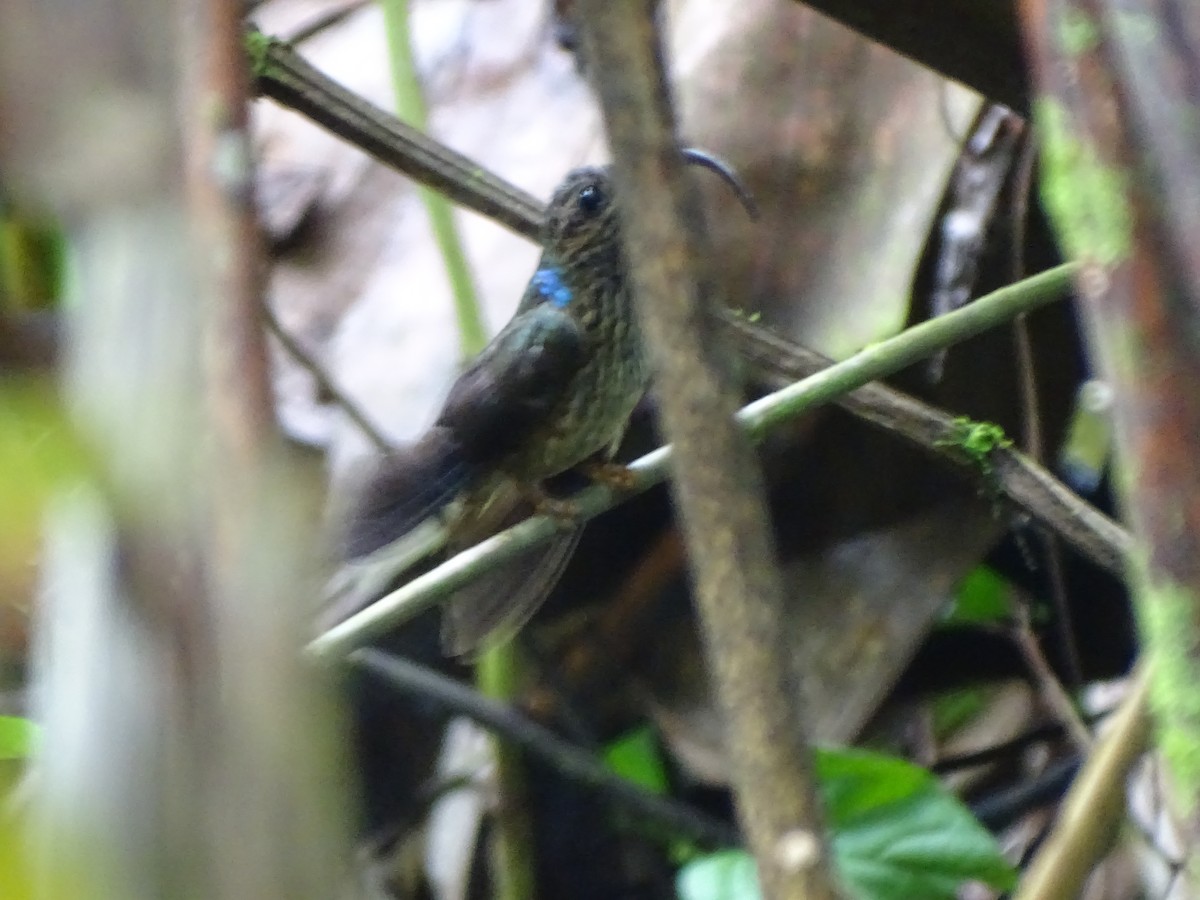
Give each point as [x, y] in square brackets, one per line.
[493, 608]
[405, 488]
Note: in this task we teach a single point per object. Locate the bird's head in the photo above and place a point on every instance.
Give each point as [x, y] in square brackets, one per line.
[581, 220]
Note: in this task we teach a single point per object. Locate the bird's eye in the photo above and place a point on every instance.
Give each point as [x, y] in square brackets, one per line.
[591, 199]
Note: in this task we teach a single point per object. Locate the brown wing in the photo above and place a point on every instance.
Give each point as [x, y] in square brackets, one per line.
[494, 608]
[514, 384]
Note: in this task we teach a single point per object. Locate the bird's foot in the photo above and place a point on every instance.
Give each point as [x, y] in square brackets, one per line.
[611, 475]
[565, 513]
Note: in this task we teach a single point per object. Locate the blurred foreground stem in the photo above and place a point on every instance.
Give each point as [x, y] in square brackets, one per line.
[497, 674]
[410, 106]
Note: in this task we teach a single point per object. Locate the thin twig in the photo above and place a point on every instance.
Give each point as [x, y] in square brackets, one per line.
[1096, 802]
[1054, 694]
[1005, 750]
[325, 385]
[998, 810]
[539, 741]
[1022, 186]
[327, 19]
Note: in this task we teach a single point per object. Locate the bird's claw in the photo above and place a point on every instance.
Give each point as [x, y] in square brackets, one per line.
[565, 513]
[611, 475]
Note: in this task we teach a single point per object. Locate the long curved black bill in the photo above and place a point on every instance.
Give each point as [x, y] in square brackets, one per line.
[714, 163]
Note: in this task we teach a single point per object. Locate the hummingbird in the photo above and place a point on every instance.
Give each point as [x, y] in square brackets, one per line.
[553, 391]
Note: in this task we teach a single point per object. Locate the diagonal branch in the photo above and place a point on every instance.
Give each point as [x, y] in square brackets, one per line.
[1027, 485]
[325, 384]
[284, 76]
[758, 419]
[1095, 805]
[539, 741]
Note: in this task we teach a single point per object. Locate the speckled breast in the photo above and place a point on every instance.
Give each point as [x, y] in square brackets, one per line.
[601, 396]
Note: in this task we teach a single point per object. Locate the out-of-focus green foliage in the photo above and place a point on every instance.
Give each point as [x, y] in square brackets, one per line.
[38, 448]
[983, 597]
[897, 834]
[18, 737]
[39, 453]
[32, 258]
[954, 710]
[16, 881]
[637, 757]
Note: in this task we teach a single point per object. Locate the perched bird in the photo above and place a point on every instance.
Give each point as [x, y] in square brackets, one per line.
[554, 389]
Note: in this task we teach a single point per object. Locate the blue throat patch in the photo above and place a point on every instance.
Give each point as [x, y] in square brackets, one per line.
[549, 284]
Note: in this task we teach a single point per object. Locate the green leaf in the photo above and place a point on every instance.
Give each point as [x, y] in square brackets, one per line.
[636, 757]
[724, 875]
[856, 782]
[18, 737]
[32, 261]
[897, 834]
[917, 842]
[982, 597]
[39, 452]
[954, 709]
